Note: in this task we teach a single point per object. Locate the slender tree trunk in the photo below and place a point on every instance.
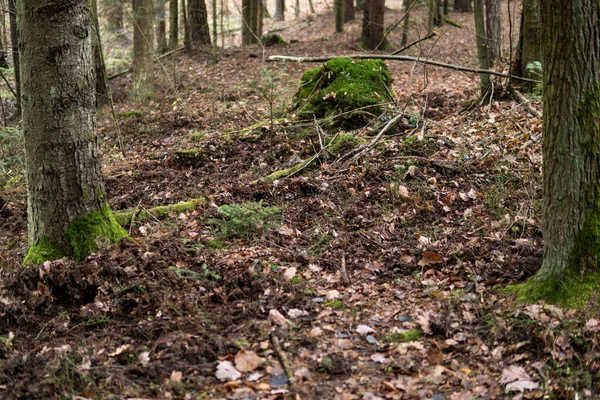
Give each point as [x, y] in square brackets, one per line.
[279, 10]
[186, 28]
[445, 7]
[100, 72]
[338, 5]
[438, 20]
[161, 26]
[215, 40]
[571, 60]
[348, 10]
[530, 41]
[372, 29]
[297, 9]
[66, 200]
[198, 23]
[430, 16]
[463, 6]
[312, 8]
[114, 15]
[143, 57]
[173, 24]
[482, 54]
[405, 26]
[14, 39]
[251, 21]
[3, 62]
[493, 27]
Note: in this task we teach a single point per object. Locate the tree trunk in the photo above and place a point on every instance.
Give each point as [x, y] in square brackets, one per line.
[312, 8]
[571, 60]
[348, 10]
[529, 47]
[463, 6]
[407, 4]
[279, 10]
[173, 24]
[372, 29]
[3, 62]
[445, 7]
[493, 28]
[14, 39]
[438, 19]
[186, 28]
[143, 57]
[430, 16]
[198, 23]
[114, 15]
[247, 22]
[100, 72]
[482, 54]
[297, 9]
[66, 201]
[338, 5]
[161, 26]
[215, 40]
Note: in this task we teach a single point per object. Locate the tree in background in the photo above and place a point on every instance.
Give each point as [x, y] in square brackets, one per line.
[529, 47]
[161, 26]
[482, 49]
[372, 29]
[173, 25]
[279, 10]
[143, 57]
[251, 21]
[66, 203]
[113, 9]
[199, 33]
[14, 39]
[100, 72]
[571, 162]
[338, 6]
[405, 26]
[348, 10]
[463, 6]
[493, 29]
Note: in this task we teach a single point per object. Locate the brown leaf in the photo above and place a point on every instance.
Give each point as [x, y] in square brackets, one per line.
[247, 361]
[429, 258]
[435, 356]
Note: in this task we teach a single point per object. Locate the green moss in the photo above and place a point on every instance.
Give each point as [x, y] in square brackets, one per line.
[285, 172]
[272, 39]
[335, 304]
[344, 142]
[197, 136]
[81, 238]
[187, 153]
[343, 85]
[408, 336]
[124, 217]
[129, 114]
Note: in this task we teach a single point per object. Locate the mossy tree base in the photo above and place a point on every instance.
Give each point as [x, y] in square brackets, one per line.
[82, 238]
[572, 292]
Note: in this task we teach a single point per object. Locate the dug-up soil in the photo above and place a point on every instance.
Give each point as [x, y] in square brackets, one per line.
[379, 278]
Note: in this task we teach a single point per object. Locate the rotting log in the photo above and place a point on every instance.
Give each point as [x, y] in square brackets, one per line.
[128, 217]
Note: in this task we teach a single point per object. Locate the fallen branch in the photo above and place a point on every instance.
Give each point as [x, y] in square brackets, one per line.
[284, 173]
[525, 101]
[398, 58]
[125, 218]
[408, 46]
[287, 367]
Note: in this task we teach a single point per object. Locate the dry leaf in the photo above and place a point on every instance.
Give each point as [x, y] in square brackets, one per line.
[176, 376]
[247, 361]
[517, 379]
[144, 358]
[429, 258]
[227, 372]
[364, 330]
[278, 319]
[289, 273]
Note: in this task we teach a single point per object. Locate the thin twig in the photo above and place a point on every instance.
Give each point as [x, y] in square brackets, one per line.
[343, 272]
[408, 46]
[287, 367]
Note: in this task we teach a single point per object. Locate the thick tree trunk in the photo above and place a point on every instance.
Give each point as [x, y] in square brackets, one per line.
[348, 10]
[173, 24]
[14, 39]
[493, 28]
[101, 87]
[251, 21]
[338, 5]
[66, 201]
[482, 51]
[161, 26]
[372, 29]
[143, 57]
[463, 6]
[279, 10]
[198, 23]
[571, 60]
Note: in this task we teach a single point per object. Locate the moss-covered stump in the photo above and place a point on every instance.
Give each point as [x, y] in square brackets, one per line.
[125, 218]
[82, 238]
[272, 39]
[350, 92]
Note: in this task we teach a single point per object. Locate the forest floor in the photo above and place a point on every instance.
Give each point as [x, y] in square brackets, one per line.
[376, 279]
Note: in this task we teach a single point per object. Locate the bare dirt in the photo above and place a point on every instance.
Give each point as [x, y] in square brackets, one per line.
[380, 278]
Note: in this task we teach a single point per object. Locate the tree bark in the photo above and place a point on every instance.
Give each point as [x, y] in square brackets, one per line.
[14, 39]
[348, 10]
[571, 60]
[529, 48]
[279, 10]
[173, 24]
[186, 28]
[66, 200]
[161, 26]
[463, 6]
[143, 57]
[405, 26]
[372, 29]
[100, 72]
[198, 23]
[493, 28]
[482, 51]
[338, 5]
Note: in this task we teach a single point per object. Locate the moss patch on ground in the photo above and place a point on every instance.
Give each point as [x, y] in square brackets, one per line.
[125, 218]
[81, 237]
[350, 92]
[408, 336]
